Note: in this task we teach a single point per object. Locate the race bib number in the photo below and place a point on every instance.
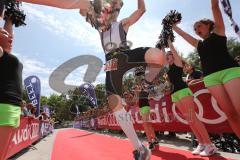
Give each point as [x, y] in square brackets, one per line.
[111, 65]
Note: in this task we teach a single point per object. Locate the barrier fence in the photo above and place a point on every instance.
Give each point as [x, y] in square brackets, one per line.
[30, 131]
[166, 117]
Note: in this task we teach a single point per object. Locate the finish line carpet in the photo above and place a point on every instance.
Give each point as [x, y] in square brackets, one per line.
[75, 144]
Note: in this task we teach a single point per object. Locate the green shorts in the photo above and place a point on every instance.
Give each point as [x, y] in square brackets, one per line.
[177, 96]
[221, 77]
[144, 110]
[9, 115]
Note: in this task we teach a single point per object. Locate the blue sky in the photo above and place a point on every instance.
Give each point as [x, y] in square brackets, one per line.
[53, 36]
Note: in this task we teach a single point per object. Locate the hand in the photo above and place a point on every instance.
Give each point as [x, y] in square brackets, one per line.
[169, 41]
[5, 40]
[175, 25]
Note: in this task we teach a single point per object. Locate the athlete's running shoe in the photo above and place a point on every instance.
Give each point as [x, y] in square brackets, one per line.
[198, 150]
[209, 150]
[143, 154]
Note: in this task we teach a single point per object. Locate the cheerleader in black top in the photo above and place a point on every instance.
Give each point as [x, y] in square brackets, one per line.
[10, 89]
[221, 72]
[183, 98]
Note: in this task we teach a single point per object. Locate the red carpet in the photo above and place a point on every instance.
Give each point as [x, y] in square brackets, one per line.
[81, 145]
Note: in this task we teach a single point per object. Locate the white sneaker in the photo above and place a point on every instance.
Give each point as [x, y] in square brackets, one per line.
[198, 150]
[209, 150]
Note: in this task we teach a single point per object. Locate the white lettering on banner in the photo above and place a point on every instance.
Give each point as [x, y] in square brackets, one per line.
[214, 104]
[34, 102]
[29, 132]
[222, 115]
[35, 130]
[31, 94]
[109, 120]
[164, 111]
[200, 114]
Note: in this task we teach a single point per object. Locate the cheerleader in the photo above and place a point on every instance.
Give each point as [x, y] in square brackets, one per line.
[183, 98]
[221, 72]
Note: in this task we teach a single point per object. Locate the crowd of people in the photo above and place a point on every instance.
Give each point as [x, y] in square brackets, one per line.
[93, 112]
[30, 111]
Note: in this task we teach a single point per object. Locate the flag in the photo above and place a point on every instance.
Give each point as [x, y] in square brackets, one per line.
[87, 89]
[33, 87]
[228, 10]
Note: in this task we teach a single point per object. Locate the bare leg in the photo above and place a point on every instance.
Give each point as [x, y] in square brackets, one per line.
[185, 112]
[155, 59]
[148, 127]
[233, 88]
[147, 131]
[195, 122]
[223, 99]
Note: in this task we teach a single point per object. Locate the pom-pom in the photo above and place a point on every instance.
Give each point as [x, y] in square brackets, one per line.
[167, 33]
[14, 13]
[101, 13]
[139, 71]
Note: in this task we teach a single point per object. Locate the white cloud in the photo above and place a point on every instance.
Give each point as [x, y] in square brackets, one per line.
[146, 35]
[31, 67]
[67, 27]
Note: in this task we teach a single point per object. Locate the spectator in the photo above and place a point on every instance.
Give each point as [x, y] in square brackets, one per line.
[29, 108]
[237, 58]
[24, 110]
[193, 75]
[33, 111]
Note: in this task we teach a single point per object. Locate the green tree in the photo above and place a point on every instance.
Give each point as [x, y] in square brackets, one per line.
[194, 60]
[100, 91]
[128, 82]
[233, 47]
[25, 95]
[43, 100]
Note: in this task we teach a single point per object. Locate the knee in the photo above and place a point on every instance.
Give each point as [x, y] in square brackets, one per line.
[114, 102]
[155, 56]
[232, 116]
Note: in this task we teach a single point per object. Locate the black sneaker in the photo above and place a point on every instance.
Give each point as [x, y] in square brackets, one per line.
[151, 145]
[156, 145]
[136, 154]
[143, 154]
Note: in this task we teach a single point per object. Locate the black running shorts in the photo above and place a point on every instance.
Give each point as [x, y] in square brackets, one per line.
[126, 60]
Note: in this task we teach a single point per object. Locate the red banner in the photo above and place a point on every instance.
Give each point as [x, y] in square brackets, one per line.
[27, 133]
[166, 117]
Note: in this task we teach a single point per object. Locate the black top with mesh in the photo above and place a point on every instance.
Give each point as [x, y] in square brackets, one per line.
[214, 54]
[175, 76]
[10, 79]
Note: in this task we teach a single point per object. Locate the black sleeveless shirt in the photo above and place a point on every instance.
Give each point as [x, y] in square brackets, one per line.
[10, 79]
[175, 76]
[214, 54]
